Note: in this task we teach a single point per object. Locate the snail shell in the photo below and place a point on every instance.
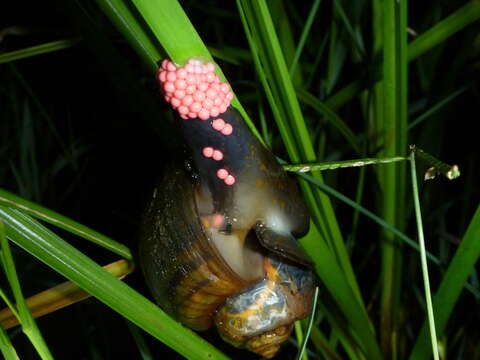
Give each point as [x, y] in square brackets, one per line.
[224, 254]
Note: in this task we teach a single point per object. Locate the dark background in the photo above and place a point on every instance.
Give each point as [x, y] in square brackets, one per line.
[84, 131]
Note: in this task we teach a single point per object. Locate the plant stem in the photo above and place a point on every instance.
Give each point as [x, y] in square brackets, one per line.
[423, 258]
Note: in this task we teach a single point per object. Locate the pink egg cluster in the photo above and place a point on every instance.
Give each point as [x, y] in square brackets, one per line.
[194, 90]
[220, 125]
[225, 176]
[210, 152]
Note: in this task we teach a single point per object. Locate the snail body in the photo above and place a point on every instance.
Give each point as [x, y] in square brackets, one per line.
[217, 244]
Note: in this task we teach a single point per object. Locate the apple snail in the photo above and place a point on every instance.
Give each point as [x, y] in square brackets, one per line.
[218, 240]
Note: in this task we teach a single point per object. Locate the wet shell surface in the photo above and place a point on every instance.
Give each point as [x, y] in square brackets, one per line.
[217, 243]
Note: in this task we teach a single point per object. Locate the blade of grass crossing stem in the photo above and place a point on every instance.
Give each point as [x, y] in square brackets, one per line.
[173, 29]
[78, 268]
[142, 346]
[302, 353]
[466, 15]
[281, 20]
[126, 22]
[10, 304]
[331, 116]
[436, 107]
[300, 340]
[63, 222]
[38, 50]
[303, 38]
[29, 327]
[59, 296]
[392, 177]
[333, 278]
[6, 347]
[451, 286]
[463, 17]
[262, 38]
[423, 258]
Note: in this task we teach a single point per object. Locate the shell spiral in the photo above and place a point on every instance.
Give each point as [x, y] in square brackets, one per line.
[218, 241]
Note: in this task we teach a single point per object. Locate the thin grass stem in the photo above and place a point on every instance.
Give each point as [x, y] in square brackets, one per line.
[423, 258]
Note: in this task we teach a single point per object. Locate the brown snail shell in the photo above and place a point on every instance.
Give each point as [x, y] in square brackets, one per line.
[217, 244]
[193, 282]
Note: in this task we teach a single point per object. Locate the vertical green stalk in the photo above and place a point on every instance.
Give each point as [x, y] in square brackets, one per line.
[451, 286]
[392, 177]
[6, 347]
[29, 326]
[423, 258]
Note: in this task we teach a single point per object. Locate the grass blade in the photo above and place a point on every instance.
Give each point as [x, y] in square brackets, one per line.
[393, 137]
[309, 327]
[59, 296]
[437, 34]
[63, 222]
[6, 347]
[423, 258]
[451, 286]
[38, 50]
[29, 327]
[63, 258]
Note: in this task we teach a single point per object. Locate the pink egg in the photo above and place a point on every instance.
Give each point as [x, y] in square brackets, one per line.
[222, 108]
[164, 63]
[179, 94]
[180, 84]
[217, 155]
[229, 96]
[217, 101]
[214, 112]
[210, 67]
[183, 110]
[209, 77]
[171, 76]
[191, 80]
[204, 114]
[208, 151]
[175, 102]
[184, 117]
[211, 94]
[227, 130]
[190, 89]
[229, 180]
[207, 103]
[225, 88]
[218, 124]
[169, 87]
[192, 115]
[195, 107]
[181, 74]
[222, 173]
[171, 66]
[162, 76]
[199, 96]
[189, 68]
[187, 100]
[217, 220]
[203, 87]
